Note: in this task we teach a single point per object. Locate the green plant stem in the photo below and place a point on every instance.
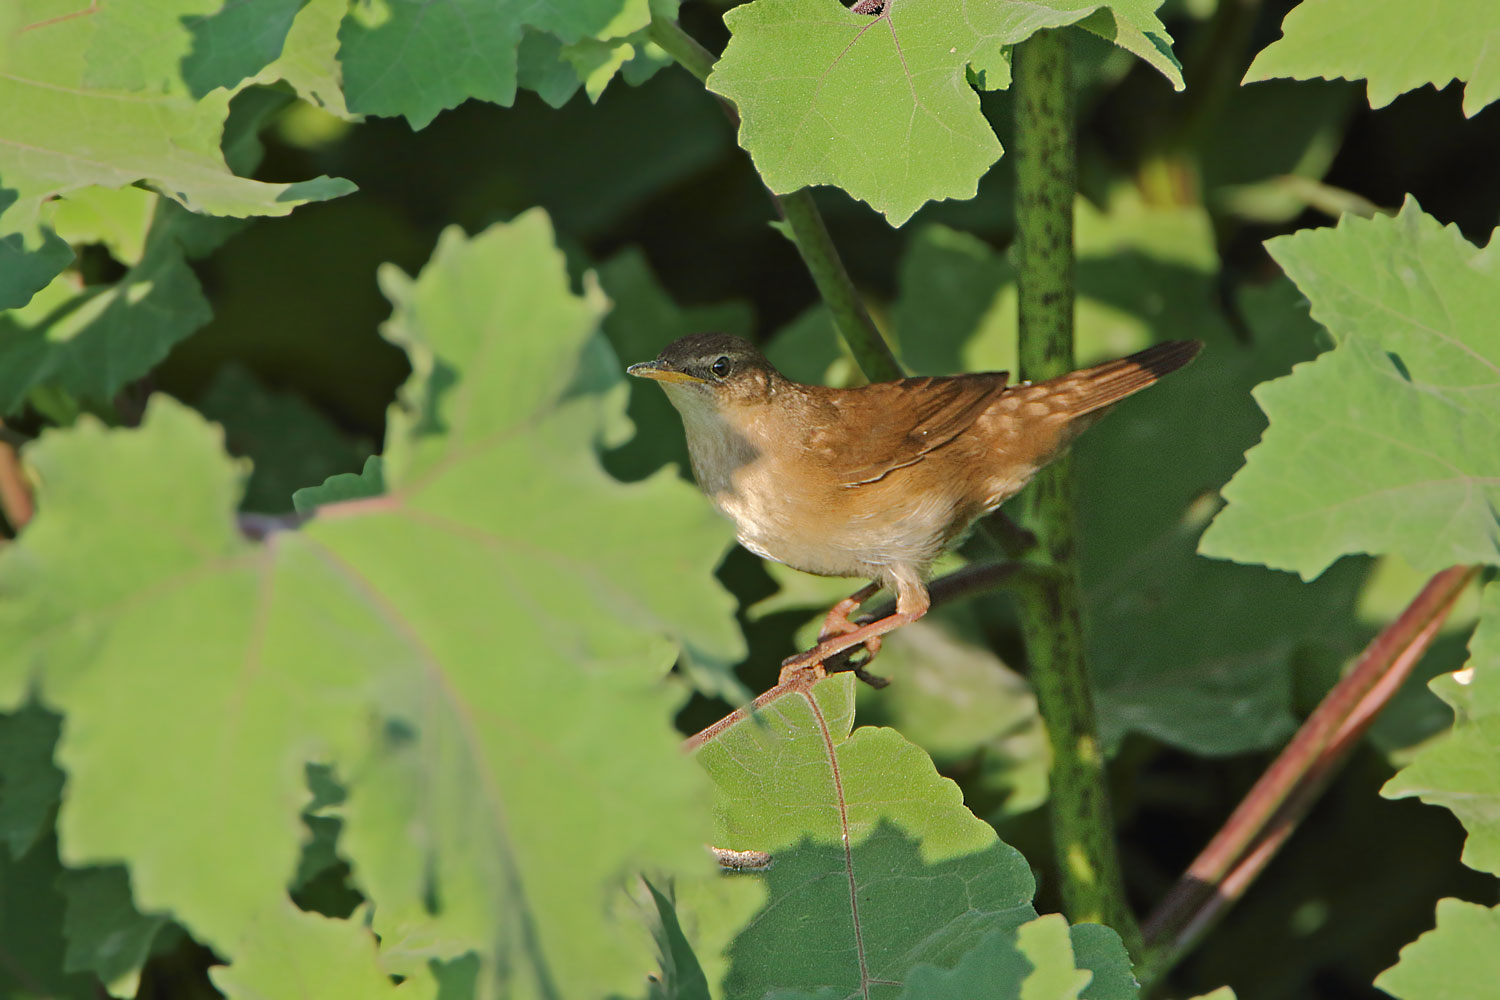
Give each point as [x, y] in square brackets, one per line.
[871, 352]
[1082, 823]
[1271, 810]
[682, 47]
[809, 234]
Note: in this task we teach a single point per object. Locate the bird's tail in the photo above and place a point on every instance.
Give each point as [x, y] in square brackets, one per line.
[1091, 389]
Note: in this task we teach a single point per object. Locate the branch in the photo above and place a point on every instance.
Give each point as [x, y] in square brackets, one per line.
[808, 232]
[961, 583]
[15, 494]
[1268, 814]
[1082, 823]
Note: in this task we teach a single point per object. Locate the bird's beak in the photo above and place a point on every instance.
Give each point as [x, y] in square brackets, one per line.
[650, 369]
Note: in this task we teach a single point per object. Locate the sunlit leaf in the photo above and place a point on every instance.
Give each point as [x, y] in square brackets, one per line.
[867, 843]
[881, 106]
[65, 131]
[1456, 960]
[1461, 769]
[1394, 45]
[1384, 444]
[458, 652]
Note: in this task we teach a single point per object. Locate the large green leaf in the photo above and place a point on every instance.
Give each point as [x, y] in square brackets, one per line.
[867, 844]
[881, 106]
[1456, 960]
[1386, 443]
[477, 654]
[1461, 769]
[1396, 46]
[65, 131]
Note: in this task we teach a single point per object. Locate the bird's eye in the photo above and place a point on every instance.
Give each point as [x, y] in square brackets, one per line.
[720, 368]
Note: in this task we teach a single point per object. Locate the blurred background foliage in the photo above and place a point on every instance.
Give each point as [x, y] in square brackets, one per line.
[1181, 190]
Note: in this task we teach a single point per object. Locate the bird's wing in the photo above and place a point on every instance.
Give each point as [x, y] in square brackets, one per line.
[904, 421]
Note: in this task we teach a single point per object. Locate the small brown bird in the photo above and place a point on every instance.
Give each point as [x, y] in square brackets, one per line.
[874, 481]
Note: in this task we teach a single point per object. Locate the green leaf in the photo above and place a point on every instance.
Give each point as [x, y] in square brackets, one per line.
[1456, 960]
[106, 935]
[966, 708]
[881, 106]
[867, 843]
[681, 976]
[485, 636]
[414, 58]
[30, 784]
[994, 968]
[367, 482]
[119, 218]
[91, 341]
[1041, 960]
[289, 443]
[309, 57]
[1048, 947]
[31, 922]
[192, 45]
[1384, 443]
[1099, 949]
[1461, 769]
[1395, 46]
[236, 42]
[65, 131]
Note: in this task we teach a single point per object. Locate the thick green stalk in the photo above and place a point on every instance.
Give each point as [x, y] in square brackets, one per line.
[1082, 824]
[810, 235]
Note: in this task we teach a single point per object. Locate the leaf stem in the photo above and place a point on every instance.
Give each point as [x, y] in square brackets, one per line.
[808, 232]
[1082, 823]
[682, 47]
[870, 350]
[972, 579]
[1271, 810]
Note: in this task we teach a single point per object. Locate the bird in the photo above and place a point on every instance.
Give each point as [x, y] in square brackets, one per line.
[873, 481]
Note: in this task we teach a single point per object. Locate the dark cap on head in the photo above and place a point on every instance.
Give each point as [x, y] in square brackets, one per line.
[703, 357]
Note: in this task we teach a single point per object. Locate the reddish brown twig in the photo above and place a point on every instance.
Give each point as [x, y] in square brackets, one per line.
[15, 494]
[1268, 814]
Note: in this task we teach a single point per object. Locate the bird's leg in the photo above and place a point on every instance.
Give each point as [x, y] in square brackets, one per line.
[837, 622]
[912, 603]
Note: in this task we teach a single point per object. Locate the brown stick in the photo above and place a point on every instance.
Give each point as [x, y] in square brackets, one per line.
[1268, 814]
[960, 583]
[15, 494]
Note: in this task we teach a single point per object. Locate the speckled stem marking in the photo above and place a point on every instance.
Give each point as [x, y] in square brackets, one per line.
[1082, 824]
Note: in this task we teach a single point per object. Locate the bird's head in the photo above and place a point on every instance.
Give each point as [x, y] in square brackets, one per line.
[716, 369]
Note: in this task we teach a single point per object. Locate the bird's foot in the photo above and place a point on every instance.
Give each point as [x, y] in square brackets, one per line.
[803, 665]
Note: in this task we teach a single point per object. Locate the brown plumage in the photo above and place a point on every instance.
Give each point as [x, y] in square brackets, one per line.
[874, 481]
